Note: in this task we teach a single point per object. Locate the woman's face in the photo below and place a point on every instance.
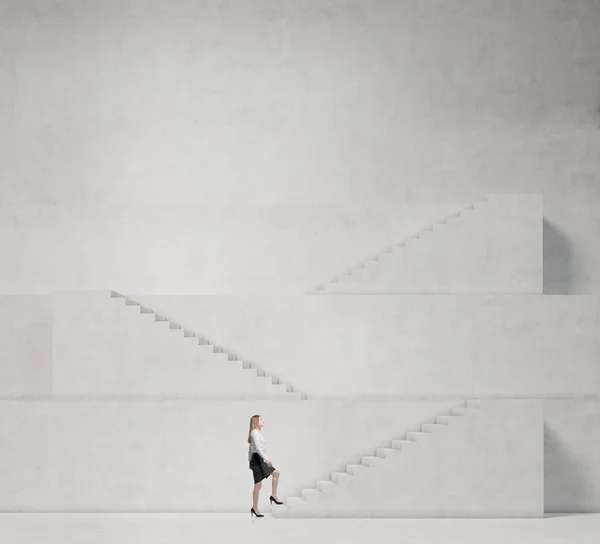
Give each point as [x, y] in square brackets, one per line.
[261, 422]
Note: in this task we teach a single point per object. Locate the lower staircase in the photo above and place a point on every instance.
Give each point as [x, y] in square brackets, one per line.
[457, 466]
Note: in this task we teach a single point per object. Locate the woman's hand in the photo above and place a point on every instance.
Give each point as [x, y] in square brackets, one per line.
[269, 463]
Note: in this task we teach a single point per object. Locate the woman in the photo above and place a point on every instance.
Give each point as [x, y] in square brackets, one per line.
[260, 464]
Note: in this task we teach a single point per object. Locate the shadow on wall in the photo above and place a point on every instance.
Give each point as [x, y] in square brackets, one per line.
[557, 261]
[565, 487]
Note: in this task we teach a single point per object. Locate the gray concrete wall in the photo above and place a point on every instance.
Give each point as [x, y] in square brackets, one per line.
[152, 455]
[571, 441]
[238, 147]
[235, 147]
[419, 345]
[91, 456]
[25, 345]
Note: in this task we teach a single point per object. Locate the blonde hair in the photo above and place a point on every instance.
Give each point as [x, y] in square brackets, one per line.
[253, 425]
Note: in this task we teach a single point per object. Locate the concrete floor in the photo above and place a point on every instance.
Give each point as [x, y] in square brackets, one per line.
[226, 528]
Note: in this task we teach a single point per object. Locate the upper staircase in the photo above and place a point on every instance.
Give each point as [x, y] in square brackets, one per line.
[492, 246]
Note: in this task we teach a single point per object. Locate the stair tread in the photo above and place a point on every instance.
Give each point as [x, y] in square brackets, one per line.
[295, 500]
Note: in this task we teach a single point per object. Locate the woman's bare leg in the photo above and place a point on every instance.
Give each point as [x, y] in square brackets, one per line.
[275, 484]
[255, 494]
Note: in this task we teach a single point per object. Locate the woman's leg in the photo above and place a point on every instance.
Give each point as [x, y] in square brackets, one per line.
[255, 493]
[275, 484]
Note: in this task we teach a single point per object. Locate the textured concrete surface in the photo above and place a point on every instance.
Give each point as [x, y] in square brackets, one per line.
[25, 345]
[421, 345]
[232, 528]
[181, 455]
[248, 147]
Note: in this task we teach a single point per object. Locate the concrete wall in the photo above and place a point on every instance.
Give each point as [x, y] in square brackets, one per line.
[147, 455]
[25, 345]
[181, 455]
[571, 440]
[174, 455]
[425, 346]
[233, 147]
[221, 147]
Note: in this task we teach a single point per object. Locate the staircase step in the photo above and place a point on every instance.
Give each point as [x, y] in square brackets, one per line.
[340, 477]
[325, 485]
[310, 494]
[236, 365]
[280, 511]
[206, 350]
[250, 371]
[355, 469]
[279, 389]
[417, 435]
[431, 427]
[296, 502]
[446, 420]
[461, 410]
[370, 460]
[403, 444]
[384, 453]
[221, 357]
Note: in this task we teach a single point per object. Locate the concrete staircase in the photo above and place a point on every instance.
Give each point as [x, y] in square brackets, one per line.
[491, 246]
[441, 470]
[209, 354]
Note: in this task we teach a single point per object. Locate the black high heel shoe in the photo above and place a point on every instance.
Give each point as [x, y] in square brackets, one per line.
[253, 513]
[274, 500]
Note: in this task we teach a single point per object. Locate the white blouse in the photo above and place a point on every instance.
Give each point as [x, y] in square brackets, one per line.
[257, 445]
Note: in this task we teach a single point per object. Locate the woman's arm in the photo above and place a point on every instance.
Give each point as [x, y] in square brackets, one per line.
[259, 446]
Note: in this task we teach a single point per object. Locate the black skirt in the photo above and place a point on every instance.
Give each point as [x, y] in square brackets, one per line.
[260, 469]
